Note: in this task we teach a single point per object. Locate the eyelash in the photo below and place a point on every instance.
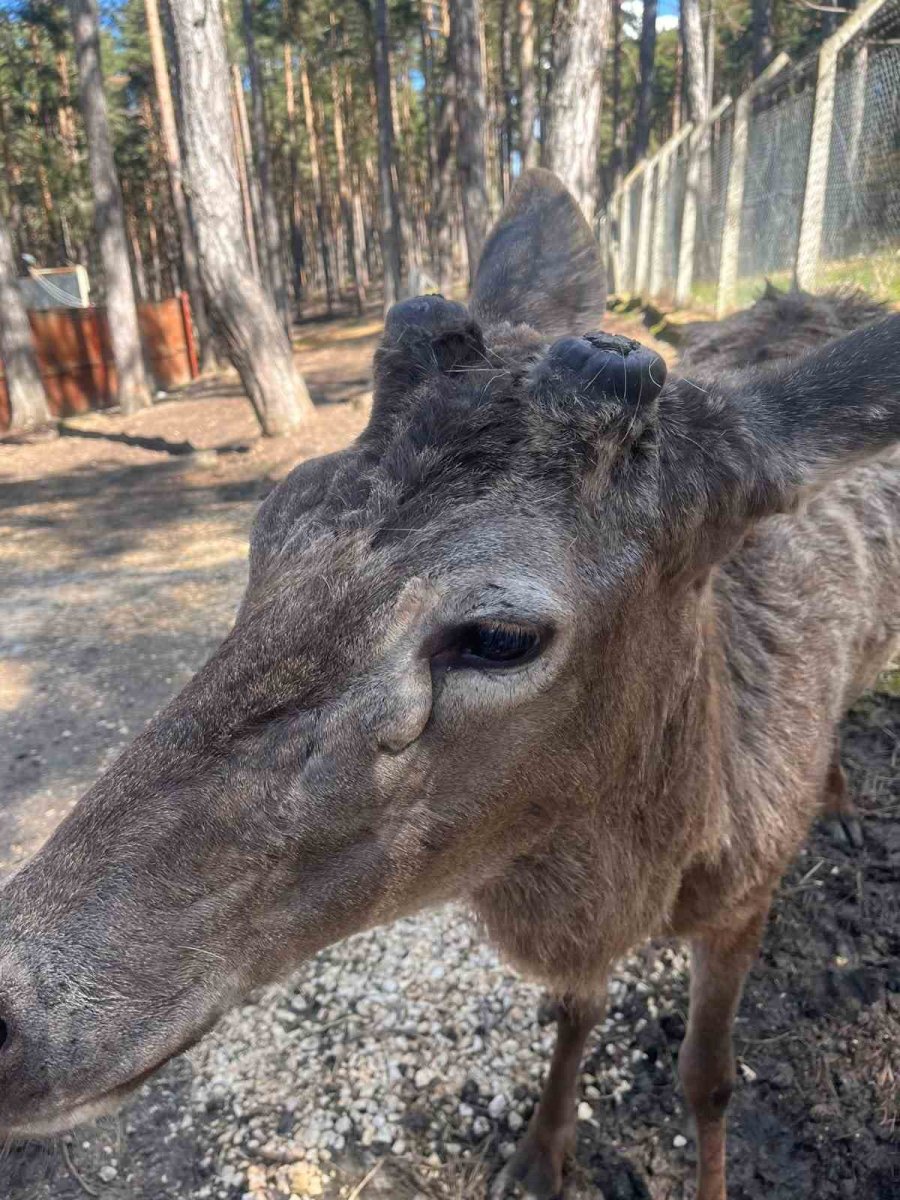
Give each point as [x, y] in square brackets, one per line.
[493, 645]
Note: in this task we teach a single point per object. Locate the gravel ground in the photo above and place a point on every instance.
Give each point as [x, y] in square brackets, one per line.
[404, 1062]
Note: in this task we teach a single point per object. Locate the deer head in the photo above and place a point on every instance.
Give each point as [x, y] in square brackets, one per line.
[472, 633]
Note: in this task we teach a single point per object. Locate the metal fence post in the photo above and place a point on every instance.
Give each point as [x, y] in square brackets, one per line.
[699, 144]
[645, 223]
[813, 219]
[614, 225]
[663, 185]
[734, 202]
[626, 233]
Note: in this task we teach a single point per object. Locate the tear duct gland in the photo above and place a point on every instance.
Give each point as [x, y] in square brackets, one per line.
[525, 643]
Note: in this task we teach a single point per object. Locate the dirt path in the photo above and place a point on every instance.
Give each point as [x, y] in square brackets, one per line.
[121, 566]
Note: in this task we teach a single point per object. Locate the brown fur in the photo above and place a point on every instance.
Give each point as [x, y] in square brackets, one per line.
[687, 558]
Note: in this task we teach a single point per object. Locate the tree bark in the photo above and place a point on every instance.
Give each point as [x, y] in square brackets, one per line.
[465, 37]
[317, 168]
[647, 59]
[343, 186]
[694, 61]
[172, 155]
[252, 330]
[763, 50]
[616, 159]
[528, 92]
[296, 207]
[109, 217]
[391, 253]
[576, 96]
[444, 190]
[247, 168]
[27, 399]
[271, 234]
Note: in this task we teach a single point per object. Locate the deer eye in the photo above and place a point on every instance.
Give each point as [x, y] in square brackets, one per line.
[496, 644]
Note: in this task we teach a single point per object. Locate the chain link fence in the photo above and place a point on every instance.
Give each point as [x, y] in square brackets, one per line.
[796, 181]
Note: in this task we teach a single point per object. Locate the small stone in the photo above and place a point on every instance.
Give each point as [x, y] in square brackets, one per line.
[108, 1173]
[306, 1179]
[679, 1141]
[585, 1112]
[497, 1107]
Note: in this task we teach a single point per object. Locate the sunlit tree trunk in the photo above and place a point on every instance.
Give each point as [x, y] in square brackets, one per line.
[343, 184]
[247, 319]
[255, 235]
[694, 60]
[109, 217]
[296, 206]
[172, 154]
[240, 158]
[618, 133]
[444, 199]
[528, 92]
[575, 98]
[465, 36]
[27, 400]
[391, 252]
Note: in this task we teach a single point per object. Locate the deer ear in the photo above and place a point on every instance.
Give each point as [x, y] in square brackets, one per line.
[541, 264]
[756, 442]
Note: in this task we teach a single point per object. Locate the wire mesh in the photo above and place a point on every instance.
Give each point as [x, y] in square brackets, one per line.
[671, 210]
[861, 225]
[780, 219]
[712, 189]
[775, 180]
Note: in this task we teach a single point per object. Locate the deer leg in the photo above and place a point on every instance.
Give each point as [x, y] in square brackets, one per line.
[537, 1165]
[719, 965]
[841, 817]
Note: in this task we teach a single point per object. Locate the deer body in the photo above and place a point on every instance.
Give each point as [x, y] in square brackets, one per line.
[548, 637]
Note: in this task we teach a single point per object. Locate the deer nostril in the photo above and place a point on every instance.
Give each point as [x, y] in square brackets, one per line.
[4, 1033]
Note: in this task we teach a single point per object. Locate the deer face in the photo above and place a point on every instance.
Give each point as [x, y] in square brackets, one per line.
[466, 625]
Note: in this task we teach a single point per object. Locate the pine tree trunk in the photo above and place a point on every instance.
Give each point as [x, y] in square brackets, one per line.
[343, 186]
[27, 400]
[576, 96]
[647, 59]
[506, 89]
[391, 252]
[251, 327]
[763, 50]
[694, 60]
[617, 155]
[528, 92]
[172, 154]
[271, 235]
[465, 38]
[250, 182]
[317, 167]
[109, 217]
[296, 207]
[240, 158]
[445, 193]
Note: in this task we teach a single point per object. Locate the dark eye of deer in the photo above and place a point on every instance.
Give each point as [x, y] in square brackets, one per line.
[497, 644]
